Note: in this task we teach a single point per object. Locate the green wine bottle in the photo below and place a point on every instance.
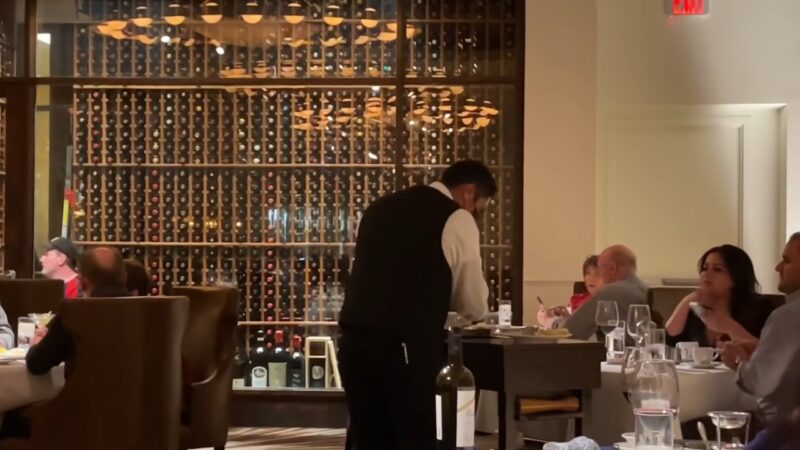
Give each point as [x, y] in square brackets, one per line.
[455, 400]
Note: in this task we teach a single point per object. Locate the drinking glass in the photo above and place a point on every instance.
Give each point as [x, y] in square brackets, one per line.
[631, 360]
[505, 315]
[636, 315]
[606, 316]
[655, 386]
[653, 430]
[615, 342]
[26, 329]
[731, 423]
[656, 343]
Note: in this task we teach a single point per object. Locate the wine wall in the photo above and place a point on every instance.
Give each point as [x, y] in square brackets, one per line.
[262, 184]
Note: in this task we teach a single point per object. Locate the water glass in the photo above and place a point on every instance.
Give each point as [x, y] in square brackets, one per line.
[730, 425]
[615, 342]
[656, 343]
[26, 329]
[505, 315]
[653, 430]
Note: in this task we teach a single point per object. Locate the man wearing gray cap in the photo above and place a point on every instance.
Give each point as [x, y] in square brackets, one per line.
[59, 262]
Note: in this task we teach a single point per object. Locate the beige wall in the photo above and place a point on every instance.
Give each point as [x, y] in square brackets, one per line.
[559, 174]
[586, 59]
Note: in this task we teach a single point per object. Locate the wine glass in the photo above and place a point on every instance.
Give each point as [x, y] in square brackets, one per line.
[606, 316]
[632, 358]
[636, 315]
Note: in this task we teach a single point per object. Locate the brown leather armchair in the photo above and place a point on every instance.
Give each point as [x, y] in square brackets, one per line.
[124, 390]
[22, 297]
[208, 353]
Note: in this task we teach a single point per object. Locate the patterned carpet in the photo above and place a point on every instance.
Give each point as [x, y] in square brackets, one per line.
[308, 438]
[285, 439]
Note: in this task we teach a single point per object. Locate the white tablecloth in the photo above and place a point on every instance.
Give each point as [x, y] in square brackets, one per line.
[19, 388]
[700, 390]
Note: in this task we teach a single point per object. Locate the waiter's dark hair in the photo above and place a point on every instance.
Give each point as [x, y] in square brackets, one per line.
[470, 171]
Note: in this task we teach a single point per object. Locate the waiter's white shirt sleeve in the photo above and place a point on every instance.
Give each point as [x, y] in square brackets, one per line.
[461, 246]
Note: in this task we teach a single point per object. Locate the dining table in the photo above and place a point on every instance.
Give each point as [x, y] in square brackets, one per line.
[18, 387]
[700, 391]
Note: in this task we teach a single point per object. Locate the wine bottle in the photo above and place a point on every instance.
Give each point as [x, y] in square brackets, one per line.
[258, 362]
[278, 362]
[241, 365]
[455, 400]
[297, 362]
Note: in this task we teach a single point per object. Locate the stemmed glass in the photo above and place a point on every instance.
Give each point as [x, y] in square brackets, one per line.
[606, 316]
[636, 315]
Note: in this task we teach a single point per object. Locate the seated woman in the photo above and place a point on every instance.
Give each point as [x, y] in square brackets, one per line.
[592, 281]
[728, 292]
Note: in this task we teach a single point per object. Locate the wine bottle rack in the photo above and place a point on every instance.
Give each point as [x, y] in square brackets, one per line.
[261, 184]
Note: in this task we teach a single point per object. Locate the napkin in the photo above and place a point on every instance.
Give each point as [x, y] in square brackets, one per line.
[579, 443]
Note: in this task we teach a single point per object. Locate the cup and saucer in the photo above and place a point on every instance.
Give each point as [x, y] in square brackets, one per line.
[704, 358]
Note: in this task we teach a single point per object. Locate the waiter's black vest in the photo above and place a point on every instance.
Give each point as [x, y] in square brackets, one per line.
[401, 282]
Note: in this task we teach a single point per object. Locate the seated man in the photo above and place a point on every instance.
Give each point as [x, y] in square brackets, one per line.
[102, 275]
[617, 266]
[769, 368]
[6, 332]
[138, 281]
[59, 262]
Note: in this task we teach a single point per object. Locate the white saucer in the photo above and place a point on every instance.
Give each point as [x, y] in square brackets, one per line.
[711, 365]
[623, 446]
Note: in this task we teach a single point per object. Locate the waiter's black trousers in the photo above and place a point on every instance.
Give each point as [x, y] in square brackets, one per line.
[391, 402]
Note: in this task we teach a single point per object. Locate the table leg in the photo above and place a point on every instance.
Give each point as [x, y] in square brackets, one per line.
[507, 439]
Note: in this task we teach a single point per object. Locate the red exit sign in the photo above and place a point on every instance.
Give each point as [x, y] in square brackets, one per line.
[687, 7]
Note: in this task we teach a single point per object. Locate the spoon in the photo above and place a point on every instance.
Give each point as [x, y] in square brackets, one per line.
[702, 430]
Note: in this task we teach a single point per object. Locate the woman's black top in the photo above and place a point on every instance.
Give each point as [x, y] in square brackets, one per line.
[752, 316]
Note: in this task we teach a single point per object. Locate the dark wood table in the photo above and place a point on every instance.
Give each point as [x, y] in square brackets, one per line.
[515, 369]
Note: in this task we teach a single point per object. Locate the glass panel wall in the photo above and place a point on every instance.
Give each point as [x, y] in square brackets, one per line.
[239, 142]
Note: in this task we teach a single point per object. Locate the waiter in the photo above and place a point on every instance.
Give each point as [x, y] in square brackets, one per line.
[417, 257]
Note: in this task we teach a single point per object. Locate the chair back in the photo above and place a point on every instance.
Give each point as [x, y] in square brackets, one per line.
[22, 297]
[125, 386]
[579, 287]
[775, 300]
[664, 299]
[208, 353]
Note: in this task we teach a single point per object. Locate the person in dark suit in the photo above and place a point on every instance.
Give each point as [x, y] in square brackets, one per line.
[417, 257]
[102, 275]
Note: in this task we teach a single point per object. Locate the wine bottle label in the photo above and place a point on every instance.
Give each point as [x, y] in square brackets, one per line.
[259, 377]
[238, 383]
[465, 418]
[277, 374]
[438, 417]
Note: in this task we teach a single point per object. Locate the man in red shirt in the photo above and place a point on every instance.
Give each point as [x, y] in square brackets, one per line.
[59, 262]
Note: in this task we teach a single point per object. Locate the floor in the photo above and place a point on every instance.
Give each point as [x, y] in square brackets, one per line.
[308, 438]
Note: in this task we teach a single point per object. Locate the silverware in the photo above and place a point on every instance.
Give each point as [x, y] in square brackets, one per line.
[702, 430]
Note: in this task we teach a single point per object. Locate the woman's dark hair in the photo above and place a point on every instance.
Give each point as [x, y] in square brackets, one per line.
[470, 171]
[591, 262]
[138, 279]
[740, 267]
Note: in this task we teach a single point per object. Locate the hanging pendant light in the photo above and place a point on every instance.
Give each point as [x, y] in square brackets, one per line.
[295, 14]
[333, 17]
[370, 18]
[252, 13]
[142, 19]
[174, 14]
[212, 12]
[116, 25]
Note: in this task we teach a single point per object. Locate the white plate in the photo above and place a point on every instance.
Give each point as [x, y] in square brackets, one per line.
[623, 446]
